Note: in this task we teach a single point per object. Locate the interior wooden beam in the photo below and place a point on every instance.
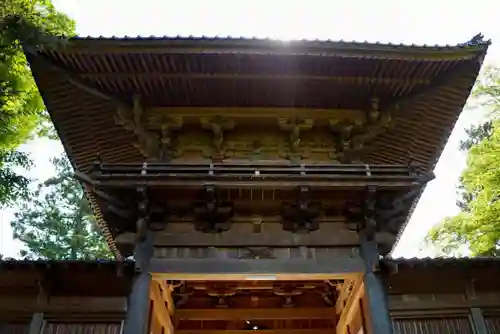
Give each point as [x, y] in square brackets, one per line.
[255, 314]
[349, 310]
[63, 304]
[159, 309]
[260, 331]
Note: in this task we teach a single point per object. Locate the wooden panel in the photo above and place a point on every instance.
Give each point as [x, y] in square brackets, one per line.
[281, 253]
[492, 323]
[408, 302]
[438, 325]
[6, 328]
[63, 304]
[82, 328]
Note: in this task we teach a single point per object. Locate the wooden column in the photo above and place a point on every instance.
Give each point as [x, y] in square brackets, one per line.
[378, 309]
[478, 321]
[137, 320]
[36, 324]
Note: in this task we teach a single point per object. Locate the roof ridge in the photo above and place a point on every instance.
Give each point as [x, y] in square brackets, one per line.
[476, 41]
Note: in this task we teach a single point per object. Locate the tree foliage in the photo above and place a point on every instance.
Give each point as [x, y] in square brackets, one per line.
[58, 222]
[31, 23]
[477, 226]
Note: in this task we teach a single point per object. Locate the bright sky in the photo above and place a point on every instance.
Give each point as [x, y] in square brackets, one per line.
[396, 21]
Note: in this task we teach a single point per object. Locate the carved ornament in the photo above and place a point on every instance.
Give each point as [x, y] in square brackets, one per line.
[154, 135]
[295, 126]
[217, 125]
[301, 217]
[352, 137]
[212, 215]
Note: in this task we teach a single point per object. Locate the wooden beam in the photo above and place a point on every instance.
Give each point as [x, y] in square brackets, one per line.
[349, 311]
[260, 331]
[252, 277]
[249, 267]
[259, 112]
[63, 305]
[231, 239]
[237, 76]
[440, 303]
[261, 182]
[255, 314]
[159, 308]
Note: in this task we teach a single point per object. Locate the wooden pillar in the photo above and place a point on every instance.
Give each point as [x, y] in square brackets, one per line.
[137, 320]
[377, 306]
[36, 324]
[478, 321]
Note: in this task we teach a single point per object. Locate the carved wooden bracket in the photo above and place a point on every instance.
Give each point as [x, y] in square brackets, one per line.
[217, 126]
[221, 297]
[295, 126]
[288, 296]
[352, 137]
[212, 215]
[154, 135]
[301, 216]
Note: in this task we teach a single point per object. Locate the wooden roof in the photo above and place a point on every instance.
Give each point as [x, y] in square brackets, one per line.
[82, 82]
[66, 278]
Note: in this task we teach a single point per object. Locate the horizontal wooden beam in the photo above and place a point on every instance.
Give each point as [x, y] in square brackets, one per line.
[442, 303]
[63, 305]
[252, 182]
[245, 268]
[238, 76]
[258, 112]
[232, 239]
[260, 331]
[255, 314]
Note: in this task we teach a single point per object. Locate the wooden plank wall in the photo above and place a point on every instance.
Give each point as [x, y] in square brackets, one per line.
[445, 313]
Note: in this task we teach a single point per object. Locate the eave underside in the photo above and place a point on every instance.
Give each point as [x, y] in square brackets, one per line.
[83, 85]
[431, 90]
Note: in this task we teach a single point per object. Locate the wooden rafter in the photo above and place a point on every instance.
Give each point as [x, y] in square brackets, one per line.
[237, 76]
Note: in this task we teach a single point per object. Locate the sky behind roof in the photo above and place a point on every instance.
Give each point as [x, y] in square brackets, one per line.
[395, 21]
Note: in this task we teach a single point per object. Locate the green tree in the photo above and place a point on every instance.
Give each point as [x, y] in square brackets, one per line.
[58, 222]
[477, 226]
[29, 23]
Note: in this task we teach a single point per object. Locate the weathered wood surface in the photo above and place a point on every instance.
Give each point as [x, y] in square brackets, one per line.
[53, 305]
[261, 331]
[255, 314]
[185, 267]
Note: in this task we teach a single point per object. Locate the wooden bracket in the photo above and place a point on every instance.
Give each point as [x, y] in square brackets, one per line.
[217, 126]
[301, 216]
[213, 216]
[295, 127]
